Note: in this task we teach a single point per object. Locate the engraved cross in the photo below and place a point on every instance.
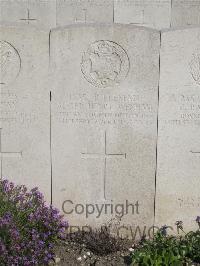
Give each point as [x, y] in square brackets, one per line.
[28, 19]
[85, 16]
[4, 154]
[195, 152]
[105, 156]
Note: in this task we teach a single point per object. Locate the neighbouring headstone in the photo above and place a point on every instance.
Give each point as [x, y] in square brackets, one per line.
[24, 114]
[185, 12]
[178, 174]
[40, 13]
[104, 122]
[84, 11]
[148, 13]
[157, 14]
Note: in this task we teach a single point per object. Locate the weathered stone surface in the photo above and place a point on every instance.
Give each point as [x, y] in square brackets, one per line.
[40, 13]
[157, 14]
[185, 12]
[104, 126]
[178, 179]
[24, 116]
[84, 11]
[148, 13]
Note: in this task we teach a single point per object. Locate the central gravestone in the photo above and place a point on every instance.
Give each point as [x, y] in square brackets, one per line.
[104, 121]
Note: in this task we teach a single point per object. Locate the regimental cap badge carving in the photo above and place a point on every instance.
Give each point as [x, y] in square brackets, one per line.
[10, 63]
[105, 64]
[195, 67]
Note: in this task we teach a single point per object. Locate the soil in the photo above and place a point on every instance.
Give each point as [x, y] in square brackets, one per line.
[93, 249]
[69, 254]
[98, 248]
[72, 254]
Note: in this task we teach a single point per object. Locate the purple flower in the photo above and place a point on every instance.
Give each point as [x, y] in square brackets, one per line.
[163, 230]
[198, 220]
[29, 225]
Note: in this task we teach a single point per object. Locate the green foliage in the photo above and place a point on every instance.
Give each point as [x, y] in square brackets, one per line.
[168, 250]
[192, 241]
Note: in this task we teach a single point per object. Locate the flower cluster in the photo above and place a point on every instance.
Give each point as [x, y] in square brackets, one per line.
[179, 226]
[198, 221]
[29, 228]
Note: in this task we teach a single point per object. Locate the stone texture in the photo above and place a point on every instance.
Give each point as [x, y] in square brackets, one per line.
[157, 14]
[148, 13]
[40, 13]
[185, 12]
[104, 119]
[178, 176]
[100, 127]
[24, 116]
[84, 11]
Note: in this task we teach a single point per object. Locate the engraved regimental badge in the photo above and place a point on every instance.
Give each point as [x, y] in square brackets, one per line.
[105, 64]
[10, 63]
[195, 68]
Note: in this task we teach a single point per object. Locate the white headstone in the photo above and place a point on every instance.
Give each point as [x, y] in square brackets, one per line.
[185, 12]
[84, 11]
[148, 13]
[178, 176]
[24, 114]
[40, 13]
[104, 126]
